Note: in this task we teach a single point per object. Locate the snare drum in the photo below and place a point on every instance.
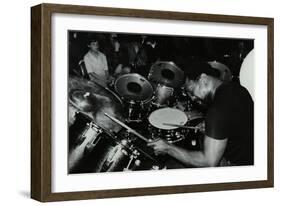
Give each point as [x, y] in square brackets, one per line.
[159, 128]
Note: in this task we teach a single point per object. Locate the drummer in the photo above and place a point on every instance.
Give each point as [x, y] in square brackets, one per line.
[229, 126]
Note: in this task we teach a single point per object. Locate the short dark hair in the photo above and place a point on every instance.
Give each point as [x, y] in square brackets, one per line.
[92, 40]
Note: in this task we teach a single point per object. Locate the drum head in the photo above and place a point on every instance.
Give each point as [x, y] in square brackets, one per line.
[166, 73]
[168, 115]
[133, 87]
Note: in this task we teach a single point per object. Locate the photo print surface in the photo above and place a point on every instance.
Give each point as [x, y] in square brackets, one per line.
[154, 102]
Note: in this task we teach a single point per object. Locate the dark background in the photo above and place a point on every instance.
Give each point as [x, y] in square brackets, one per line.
[182, 50]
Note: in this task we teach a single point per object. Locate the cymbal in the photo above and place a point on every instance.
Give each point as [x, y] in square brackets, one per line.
[225, 73]
[94, 100]
[133, 87]
[85, 101]
[166, 73]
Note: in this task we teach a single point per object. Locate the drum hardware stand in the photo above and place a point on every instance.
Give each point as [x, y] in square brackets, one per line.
[133, 156]
[130, 111]
[97, 130]
[82, 138]
[130, 130]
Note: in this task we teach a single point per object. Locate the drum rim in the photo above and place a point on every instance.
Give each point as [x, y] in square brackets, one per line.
[136, 75]
[92, 121]
[168, 127]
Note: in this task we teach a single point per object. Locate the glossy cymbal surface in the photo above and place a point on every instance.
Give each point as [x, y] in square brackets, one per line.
[94, 100]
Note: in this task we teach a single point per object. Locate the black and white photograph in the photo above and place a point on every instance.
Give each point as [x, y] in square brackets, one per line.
[157, 102]
[135, 102]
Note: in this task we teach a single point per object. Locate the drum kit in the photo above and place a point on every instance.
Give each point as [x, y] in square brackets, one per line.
[109, 130]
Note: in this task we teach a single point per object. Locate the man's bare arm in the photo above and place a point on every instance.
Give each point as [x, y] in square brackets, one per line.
[210, 155]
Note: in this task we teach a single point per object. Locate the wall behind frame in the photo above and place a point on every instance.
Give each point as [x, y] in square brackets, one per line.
[15, 102]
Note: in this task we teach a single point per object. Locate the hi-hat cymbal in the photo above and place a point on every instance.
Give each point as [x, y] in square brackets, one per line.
[166, 73]
[86, 101]
[133, 87]
[94, 100]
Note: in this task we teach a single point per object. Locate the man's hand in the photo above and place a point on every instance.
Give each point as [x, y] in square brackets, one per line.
[160, 146]
[110, 80]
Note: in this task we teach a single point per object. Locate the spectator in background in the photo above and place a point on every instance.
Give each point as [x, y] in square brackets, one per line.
[137, 55]
[117, 56]
[96, 63]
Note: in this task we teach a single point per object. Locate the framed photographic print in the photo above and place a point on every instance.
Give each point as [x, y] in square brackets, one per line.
[130, 102]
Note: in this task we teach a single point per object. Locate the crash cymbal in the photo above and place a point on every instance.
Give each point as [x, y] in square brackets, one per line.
[166, 73]
[133, 87]
[86, 101]
[94, 100]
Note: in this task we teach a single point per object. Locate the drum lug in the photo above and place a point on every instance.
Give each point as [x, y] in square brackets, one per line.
[193, 142]
[137, 162]
[95, 127]
[124, 152]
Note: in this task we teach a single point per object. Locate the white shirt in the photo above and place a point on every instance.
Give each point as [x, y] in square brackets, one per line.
[96, 64]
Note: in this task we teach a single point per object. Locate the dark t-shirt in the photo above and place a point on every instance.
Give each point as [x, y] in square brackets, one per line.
[231, 116]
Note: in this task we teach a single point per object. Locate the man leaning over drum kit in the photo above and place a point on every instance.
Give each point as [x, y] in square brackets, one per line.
[228, 126]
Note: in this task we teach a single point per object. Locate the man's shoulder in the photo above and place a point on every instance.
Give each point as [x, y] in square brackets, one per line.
[234, 91]
[101, 54]
[232, 87]
[87, 55]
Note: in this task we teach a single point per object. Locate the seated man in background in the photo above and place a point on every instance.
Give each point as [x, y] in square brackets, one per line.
[228, 126]
[96, 63]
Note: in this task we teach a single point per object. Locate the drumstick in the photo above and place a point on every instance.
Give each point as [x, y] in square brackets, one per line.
[182, 126]
[127, 127]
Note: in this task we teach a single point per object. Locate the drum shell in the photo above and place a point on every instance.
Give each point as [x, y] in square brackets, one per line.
[126, 157]
[97, 141]
[163, 95]
[136, 111]
[171, 135]
[105, 152]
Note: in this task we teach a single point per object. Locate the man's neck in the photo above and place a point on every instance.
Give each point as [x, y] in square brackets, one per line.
[96, 53]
